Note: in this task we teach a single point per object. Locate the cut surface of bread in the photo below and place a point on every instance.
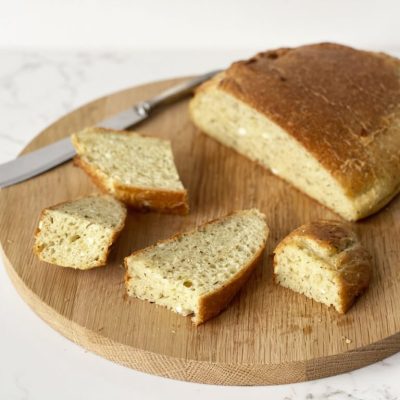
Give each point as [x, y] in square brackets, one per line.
[325, 261]
[137, 170]
[79, 233]
[324, 117]
[199, 272]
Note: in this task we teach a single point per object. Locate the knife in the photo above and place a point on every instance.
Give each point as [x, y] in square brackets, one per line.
[38, 161]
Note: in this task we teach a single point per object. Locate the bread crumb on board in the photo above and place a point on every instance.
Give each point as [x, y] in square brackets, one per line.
[346, 340]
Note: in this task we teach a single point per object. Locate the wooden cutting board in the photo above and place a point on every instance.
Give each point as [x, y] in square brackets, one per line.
[268, 335]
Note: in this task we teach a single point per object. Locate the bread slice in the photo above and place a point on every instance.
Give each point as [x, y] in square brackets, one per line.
[78, 234]
[137, 170]
[325, 261]
[199, 272]
[324, 117]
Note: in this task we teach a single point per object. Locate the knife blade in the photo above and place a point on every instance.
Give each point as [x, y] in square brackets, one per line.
[47, 157]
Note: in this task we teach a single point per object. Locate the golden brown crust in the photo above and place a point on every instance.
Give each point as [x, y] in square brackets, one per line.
[101, 262]
[163, 201]
[341, 104]
[213, 303]
[334, 236]
[338, 245]
[354, 277]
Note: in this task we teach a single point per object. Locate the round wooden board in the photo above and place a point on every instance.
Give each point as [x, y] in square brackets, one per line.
[268, 335]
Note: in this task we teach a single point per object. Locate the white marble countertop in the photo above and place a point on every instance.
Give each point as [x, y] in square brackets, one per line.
[36, 362]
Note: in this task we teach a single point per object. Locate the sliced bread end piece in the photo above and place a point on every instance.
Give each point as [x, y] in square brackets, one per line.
[140, 171]
[79, 233]
[325, 261]
[199, 272]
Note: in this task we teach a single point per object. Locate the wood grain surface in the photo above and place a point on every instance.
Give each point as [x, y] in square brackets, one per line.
[268, 335]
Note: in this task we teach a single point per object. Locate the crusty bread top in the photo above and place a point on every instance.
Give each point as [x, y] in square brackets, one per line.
[336, 243]
[334, 236]
[341, 104]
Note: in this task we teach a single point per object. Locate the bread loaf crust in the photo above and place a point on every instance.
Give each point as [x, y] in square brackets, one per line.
[340, 104]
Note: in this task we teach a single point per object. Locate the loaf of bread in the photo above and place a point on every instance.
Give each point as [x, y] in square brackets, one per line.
[325, 261]
[324, 117]
[78, 234]
[199, 272]
[137, 170]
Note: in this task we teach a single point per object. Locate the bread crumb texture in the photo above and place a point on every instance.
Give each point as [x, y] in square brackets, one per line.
[137, 170]
[198, 272]
[78, 234]
[325, 261]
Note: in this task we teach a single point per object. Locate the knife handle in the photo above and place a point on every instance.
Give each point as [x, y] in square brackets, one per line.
[172, 94]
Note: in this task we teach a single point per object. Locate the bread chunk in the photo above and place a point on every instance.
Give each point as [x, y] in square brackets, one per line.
[137, 170]
[324, 117]
[199, 272]
[325, 261]
[79, 233]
